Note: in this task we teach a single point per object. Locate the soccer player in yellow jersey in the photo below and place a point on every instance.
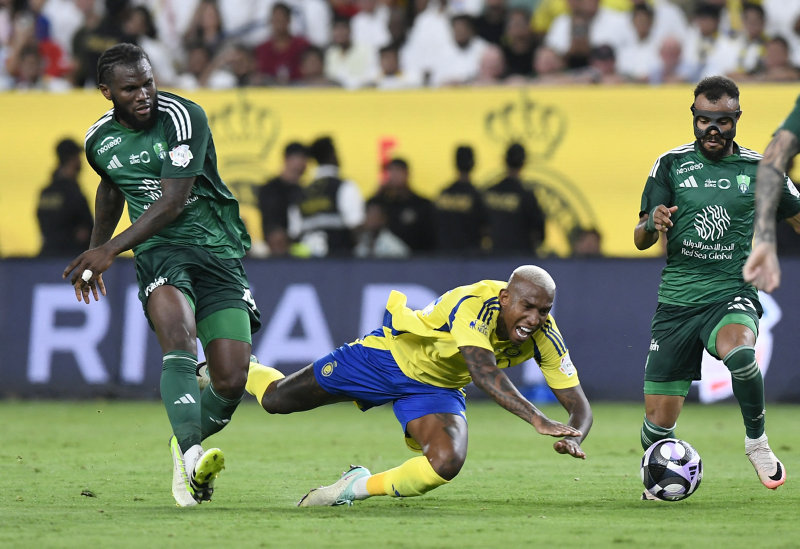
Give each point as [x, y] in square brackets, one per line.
[420, 361]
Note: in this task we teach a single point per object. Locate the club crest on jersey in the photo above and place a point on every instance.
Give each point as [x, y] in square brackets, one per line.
[327, 370]
[161, 150]
[181, 155]
[744, 182]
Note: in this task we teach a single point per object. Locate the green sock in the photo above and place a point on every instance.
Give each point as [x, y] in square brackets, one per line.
[181, 396]
[652, 433]
[748, 388]
[216, 411]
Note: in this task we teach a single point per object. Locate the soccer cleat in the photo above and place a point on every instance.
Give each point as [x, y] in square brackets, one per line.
[338, 493]
[647, 496]
[182, 489]
[770, 470]
[206, 471]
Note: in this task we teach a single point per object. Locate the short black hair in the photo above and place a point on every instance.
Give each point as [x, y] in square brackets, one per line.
[714, 87]
[398, 163]
[120, 54]
[282, 6]
[323, 151]
[66, 149]
[515, 156]
[295, 147]
[752, 6]
[704, 9]
[465, 158]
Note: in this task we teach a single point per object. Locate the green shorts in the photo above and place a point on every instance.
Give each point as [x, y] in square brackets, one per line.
[210, 283]
[679, 335]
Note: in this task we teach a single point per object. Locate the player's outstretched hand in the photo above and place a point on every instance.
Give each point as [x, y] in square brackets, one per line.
[569, 446]
[762, 269]
[546, 426]
[87, 273]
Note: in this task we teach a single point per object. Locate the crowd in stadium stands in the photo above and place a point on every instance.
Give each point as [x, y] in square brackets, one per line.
[390, 44]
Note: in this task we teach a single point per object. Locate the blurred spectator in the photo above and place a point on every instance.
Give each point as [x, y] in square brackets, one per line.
[238, 60]
[392, 76]
[518, 43]
[278, 59]
[205, 28]
[430, 33]
[492, 69]
[282, 191]
[706, 47]
[461, 216]
[587, 25]
[94, 38]
[585, 242]
[279, 194]
[671, 67]
[638, 59]
[669, 19]
[491, 23]
[172, 18]
[371, 24]
[350, 64]
[549, 66]
[312, 70]
[751, 41]
[64, 217]
[204, 71]
[246, 21]
[602, 68]
[458, 62]
[312, 19]
[375, 239]
[410, 216]
[783, 19]
[398, 33]
[330, 208]
[138, 26]
[775, 65]
[67, 17]
[516, 221]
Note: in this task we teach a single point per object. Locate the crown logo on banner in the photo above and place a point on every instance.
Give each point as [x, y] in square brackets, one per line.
[537, 126]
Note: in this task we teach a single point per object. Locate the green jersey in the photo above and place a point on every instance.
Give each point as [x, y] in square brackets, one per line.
[713, 226]
[178, 145]
[792, 122]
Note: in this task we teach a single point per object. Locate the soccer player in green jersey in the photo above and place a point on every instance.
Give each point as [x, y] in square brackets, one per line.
[762, 267]
[701, 197]
[420, 361]
[154, 151]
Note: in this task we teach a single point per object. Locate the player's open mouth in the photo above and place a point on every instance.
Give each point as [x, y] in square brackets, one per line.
[143, 109]
[523, 332]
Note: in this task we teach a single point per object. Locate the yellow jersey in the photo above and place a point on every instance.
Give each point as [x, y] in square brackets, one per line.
[425, 343]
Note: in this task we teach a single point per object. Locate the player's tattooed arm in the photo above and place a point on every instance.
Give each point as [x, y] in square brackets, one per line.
[577, 406]
[108, 206]
[770, 179]
[493, 381]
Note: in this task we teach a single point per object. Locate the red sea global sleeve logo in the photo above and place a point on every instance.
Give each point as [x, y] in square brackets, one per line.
[181, 156]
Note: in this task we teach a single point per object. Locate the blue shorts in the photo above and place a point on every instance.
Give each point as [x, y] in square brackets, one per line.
[371, 377]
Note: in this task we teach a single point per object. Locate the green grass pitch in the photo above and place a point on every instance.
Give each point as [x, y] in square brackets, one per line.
[98, 474]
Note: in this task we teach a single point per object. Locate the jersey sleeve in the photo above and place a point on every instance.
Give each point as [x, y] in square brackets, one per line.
[187, 133]
[471, 323]
[657, 189]
[789, 204]
[553, 357]
[792, 122]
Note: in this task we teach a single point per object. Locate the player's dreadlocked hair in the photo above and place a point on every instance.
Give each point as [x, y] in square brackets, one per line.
[714, 87]
[121, 54]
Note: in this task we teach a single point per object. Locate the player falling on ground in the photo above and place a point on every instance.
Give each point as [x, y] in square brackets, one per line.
[154, 151]
[762, 267]
[701, 196]
[420, 361]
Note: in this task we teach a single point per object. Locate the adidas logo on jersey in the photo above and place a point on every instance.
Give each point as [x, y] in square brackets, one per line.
[689, 182]
[115, 163]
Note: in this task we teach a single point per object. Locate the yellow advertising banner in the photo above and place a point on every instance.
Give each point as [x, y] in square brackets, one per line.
[589, 148]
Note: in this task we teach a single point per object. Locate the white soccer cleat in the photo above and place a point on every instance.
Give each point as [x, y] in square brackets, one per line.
[647, 496]
[338, 493]
[770, 470]
[206, 471]
[182, 489]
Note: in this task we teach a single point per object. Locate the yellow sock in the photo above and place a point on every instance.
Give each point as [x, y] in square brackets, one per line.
[412, 478]
[259, 378]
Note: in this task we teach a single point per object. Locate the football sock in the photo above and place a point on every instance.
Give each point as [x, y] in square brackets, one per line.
[413, 478]
[216, 411]
[748, 387]
[181, 396]
[259, 378]
[652, 433]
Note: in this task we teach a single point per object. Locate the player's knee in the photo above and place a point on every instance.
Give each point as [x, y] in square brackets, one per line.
[230, 384]
[446, 462]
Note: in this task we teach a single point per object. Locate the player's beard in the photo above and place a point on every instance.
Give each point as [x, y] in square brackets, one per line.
[130, 119]
[714, 156]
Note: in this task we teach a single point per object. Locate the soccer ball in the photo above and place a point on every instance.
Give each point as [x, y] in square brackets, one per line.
[671, 469]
